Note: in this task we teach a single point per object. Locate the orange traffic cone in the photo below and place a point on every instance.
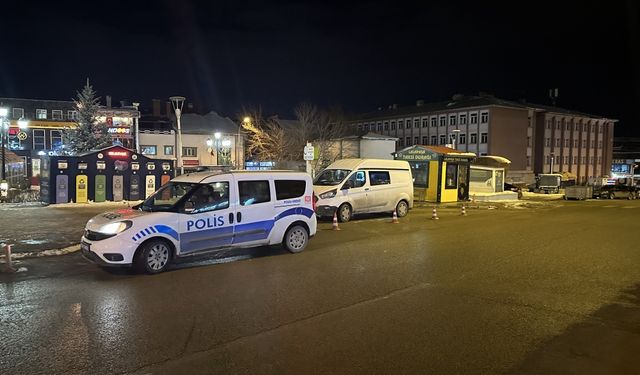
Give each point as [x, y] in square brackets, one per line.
[395, 218]
[463, 212]
[434, 214]
[7, 253]
[335, 222]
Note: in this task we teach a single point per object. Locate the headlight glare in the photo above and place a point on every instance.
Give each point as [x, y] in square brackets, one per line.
[115, 228]
[328, 194]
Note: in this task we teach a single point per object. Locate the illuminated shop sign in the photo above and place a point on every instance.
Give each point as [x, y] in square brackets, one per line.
[118, 154]
[119, 130]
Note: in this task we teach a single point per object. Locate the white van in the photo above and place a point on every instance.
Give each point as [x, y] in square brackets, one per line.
[201, 212]
[354, 186]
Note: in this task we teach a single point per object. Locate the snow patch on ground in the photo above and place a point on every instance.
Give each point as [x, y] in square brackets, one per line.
[94, 204]
[63, 251]
[33, 242]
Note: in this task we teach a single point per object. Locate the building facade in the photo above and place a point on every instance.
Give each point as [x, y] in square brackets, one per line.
[46, 122]
[536, 138]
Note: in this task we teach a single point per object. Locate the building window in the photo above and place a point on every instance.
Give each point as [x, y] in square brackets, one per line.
[599, 144]
[593, 143]
[443, 139]
[359, 126]
[372, 127]
[566, 143]
[584, 143]
[566, 160]
[547, 142]
[393, 125]
[56, 139]
[425, 139]
[386, 125]
[528, 141]
[473, 118]
[443, 120]
[591, 160]
[484, 117]
[558, 125]
[41, 114]
[408, 141]
[38, 139]
[408, 123]
[149, 149]
[400, 142]
[483, 137]
[463, 119]
[400, 124]
[56, 114]
[434, 122]
[452, 120]
[575, 143]
[72, 115]
[549, 125]
[575, 160]
[557, 142]
[473, 138]
[528, 161]
[379, 126]
[433, 140]
[416, 140]
[599, 159]
[600, 129]
[190, 151]
[425, 122]
[416, 123]
[566, 126]
[547, 159]
[168, 150]
[18, 113]
[462, 138]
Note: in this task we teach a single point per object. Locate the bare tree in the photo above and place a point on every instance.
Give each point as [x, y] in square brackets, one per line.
[266, 139]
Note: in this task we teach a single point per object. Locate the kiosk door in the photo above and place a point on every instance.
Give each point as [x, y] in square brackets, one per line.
[101, 188]
[82, 183]
[463, 182]
[118, 184]
[134, 189]
[62, 188]
[150, 183]
[164, 179]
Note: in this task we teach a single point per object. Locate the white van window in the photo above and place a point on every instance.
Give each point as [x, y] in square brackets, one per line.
[288, 189]
[330, 177]
[379, 178]
[253, 192]
[356, 180]
[210, 197]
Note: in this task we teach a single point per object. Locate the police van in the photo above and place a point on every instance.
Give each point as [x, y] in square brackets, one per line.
[201, 212]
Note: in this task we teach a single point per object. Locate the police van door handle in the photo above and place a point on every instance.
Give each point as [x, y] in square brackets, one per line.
[230, 217]
[239, 217]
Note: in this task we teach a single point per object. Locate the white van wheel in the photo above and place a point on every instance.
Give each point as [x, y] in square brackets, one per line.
[402, 209]
[344, 213]
[295, 239]
[153, 257]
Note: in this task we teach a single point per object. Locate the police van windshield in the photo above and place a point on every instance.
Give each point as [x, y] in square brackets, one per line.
[167, 196]
[330, 177]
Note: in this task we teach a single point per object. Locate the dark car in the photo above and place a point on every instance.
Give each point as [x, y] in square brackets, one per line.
[616, 191]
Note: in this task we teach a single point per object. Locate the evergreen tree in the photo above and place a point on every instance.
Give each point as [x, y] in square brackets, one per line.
[88, 134]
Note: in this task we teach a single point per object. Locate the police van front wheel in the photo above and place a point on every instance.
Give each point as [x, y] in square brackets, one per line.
[153, 257]
[295, 239]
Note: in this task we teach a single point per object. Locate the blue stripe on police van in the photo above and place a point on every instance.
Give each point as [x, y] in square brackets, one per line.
[153, 229]
[148, 231]
[134, 238]
[167, 230]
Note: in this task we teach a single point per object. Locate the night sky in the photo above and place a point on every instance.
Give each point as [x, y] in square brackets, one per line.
[226, 56]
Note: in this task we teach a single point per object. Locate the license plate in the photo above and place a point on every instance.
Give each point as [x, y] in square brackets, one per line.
[84, 246]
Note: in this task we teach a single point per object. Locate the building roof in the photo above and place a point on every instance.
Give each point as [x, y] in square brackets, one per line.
[462, 101]
[192, 123]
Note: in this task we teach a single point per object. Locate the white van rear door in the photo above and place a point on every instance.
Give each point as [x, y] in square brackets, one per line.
[254, 217]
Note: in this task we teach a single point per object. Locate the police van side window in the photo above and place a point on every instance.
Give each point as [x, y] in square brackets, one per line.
[253, 192]
[288, 189]
[209, 197]
[379, 178]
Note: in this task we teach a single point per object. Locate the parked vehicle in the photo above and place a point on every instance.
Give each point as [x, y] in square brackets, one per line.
[548, 183]
[201, 212]
[617, 191]
[355, 186]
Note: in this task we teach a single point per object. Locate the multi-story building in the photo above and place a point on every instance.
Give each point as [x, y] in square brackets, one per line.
[46, 122]
[536, 138]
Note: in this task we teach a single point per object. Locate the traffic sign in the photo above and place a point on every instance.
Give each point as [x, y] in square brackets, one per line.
[308, 152]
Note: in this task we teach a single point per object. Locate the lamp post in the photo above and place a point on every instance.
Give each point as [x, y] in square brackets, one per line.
[217, 136]
[3, 115]
[551, 167]
[455, 137]
[177, 102]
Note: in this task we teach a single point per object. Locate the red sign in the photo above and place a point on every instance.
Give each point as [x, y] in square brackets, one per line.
[191, 162]
[110, 121]
[117, 154]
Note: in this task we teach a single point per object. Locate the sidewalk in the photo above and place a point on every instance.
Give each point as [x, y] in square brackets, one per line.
[33, 227]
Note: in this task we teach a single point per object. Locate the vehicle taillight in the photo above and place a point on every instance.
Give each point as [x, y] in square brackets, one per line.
[315, 199]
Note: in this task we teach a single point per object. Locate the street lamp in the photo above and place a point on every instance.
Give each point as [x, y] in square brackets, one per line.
[3, 115]
[177, 102]
[217, 136]
[551, 170]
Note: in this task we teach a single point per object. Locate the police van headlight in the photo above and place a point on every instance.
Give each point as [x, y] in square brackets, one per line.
[328, 194]
[115, 228]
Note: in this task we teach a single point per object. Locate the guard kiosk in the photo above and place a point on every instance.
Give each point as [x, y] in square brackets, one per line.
[440, 174]
[114, 173]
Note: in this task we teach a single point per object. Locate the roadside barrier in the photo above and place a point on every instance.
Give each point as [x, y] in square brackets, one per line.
[463, 212]
[434, 214]
[7, 256]
[394, 220]
[335, 222]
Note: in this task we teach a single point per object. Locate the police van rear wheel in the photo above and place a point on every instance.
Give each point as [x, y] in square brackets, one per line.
[153, 257]
[295, 239]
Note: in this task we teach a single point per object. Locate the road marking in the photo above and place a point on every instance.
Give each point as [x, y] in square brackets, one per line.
[609, 206]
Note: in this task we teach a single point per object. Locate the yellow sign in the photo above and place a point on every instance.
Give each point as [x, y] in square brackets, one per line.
[22, 136]
[82, 187]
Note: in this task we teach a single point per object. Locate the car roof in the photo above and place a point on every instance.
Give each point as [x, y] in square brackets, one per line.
[201, 176]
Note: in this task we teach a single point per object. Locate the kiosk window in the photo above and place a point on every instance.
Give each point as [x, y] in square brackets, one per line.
[379, 178]
[356, 180]
[287, 189]
[253, 192]
[451, 181]
[210, 197]
[420, 173]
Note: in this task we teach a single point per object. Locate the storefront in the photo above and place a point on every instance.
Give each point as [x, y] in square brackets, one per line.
[440, 174]
[114, 174]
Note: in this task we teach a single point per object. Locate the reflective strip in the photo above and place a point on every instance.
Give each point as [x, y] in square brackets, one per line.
[133, 238]
[147, 231]
[153, 229]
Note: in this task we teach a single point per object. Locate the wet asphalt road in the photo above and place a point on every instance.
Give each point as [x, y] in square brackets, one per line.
[552, 289]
